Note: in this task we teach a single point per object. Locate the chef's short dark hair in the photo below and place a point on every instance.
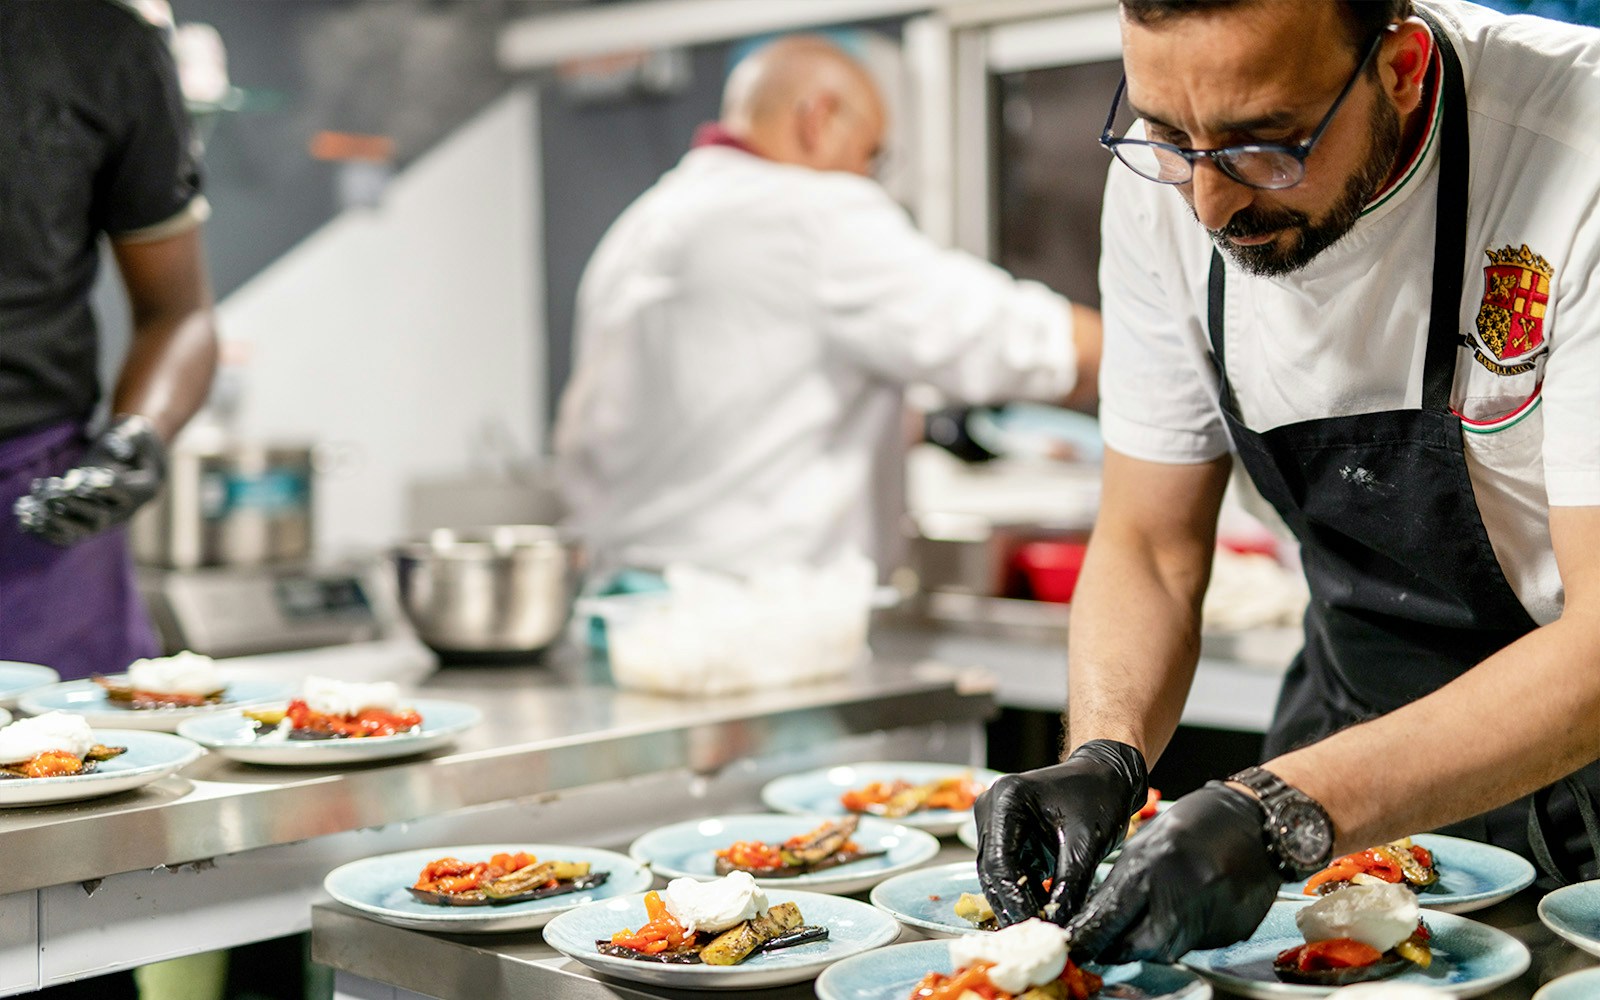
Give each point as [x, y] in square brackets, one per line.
[1363, 19]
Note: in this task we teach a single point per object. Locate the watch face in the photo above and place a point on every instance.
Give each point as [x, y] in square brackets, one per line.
[1307, 839]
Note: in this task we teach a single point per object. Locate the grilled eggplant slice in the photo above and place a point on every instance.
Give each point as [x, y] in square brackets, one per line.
[481, 897]
[824, 842]
[1390, 964]
[683, 956]
[736, 944]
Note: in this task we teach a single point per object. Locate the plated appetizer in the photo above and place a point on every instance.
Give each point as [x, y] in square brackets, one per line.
[1359, 933]
[504, 878]
[827, 846]
[900, 798]
[329, 709]
[57, 745]
[1026, 961]
[711, 923]
[1398, 862]
[184, 680]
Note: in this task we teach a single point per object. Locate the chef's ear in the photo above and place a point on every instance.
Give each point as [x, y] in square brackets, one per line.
[1402, 63]
[813, 120]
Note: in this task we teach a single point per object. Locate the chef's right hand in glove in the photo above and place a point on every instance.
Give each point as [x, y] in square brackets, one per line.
[1057, 822]
[1200, 875]
[122, 470]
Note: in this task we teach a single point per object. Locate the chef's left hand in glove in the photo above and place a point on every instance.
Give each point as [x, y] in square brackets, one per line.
[122, 469]
[1200, 875]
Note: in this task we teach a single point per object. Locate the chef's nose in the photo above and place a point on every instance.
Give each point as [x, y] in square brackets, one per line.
[1217, 197]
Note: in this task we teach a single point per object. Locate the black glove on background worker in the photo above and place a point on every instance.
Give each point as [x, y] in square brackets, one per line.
[122, 470]
[1059, 821]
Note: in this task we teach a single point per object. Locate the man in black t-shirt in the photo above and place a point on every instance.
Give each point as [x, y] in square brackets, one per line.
[98, 145]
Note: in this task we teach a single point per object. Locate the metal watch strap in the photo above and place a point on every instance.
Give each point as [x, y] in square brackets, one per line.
[1278, 796]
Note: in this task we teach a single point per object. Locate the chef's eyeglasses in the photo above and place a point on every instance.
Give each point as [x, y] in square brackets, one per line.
[1269, 165]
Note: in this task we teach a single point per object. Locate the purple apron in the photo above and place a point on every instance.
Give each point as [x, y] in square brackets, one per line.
[75, 609]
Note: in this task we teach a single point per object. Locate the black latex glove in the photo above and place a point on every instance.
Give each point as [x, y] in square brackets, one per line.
[1058, 821]
[123, 468]
[1198, 876]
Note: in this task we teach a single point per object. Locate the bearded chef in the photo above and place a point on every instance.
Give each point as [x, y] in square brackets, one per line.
[101, 148]
[1389, 316]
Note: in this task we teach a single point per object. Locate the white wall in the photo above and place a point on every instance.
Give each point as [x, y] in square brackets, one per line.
[396, 335]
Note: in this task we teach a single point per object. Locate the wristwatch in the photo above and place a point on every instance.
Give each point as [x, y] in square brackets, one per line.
[1298, 831]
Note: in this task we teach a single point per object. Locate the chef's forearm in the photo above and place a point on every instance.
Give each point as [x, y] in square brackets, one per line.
[173, 353]
[1516, 722]
[1135, 629]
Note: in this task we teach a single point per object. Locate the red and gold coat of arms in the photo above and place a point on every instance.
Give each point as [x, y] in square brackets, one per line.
[1516, 293]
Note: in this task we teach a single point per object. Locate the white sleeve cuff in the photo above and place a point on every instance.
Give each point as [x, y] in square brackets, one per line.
[1160, 444]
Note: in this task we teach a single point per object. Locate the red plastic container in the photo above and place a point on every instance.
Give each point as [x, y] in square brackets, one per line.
[1051, 568]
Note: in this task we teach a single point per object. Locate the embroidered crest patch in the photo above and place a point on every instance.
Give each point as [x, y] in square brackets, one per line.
[1516, 293]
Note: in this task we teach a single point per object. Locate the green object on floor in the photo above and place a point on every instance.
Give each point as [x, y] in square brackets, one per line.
[192, 977]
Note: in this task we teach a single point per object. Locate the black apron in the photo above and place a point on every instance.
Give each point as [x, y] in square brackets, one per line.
[1406, 591]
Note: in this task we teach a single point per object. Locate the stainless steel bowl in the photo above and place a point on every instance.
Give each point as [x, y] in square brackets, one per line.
[505, 589]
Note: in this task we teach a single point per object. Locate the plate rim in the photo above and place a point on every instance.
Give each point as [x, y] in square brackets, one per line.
[1547, 991]
[1257, 987]
[917, 922]
[929, 849]
[1583, 942]
[28, 701]
[451, 918]
[89, 782]
[1449, 903]
[399, 739]
[7, 693]
[705, 975]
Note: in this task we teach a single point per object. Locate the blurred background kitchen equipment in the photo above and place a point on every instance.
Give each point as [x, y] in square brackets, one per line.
[483, 592]
[229, 503]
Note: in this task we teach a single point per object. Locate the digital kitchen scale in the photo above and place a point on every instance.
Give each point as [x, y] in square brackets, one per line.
[340, 618]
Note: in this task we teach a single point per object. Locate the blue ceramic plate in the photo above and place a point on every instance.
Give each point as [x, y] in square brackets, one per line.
[1583, 985]
[16, 677]
[892, 973]
[1468, 957]
[233, 735]
[925, 899]
[1037, 430]
[688, 849]
[150, 757]
[1471, 875]
[377, 887]
[967, 833]
[817, 792]
[1573, 914]
[853, 927]
[88, 699]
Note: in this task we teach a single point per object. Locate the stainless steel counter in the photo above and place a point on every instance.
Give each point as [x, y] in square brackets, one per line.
[224, 853]
[540, 735]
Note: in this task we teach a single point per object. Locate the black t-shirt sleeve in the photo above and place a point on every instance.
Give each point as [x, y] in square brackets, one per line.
[150, 174]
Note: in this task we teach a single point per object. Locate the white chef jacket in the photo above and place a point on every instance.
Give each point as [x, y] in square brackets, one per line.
[744, 332]
[1346, 334]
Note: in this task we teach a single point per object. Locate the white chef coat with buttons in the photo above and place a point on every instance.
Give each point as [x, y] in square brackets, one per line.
[744, 332]
[1345, 335]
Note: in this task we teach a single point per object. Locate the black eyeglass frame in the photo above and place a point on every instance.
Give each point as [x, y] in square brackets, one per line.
[1221, 156]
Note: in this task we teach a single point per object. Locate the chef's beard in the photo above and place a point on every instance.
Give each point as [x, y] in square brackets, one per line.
[1306, 239]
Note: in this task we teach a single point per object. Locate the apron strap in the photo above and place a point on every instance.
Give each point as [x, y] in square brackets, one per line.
[1537, 804]
[1450, 229]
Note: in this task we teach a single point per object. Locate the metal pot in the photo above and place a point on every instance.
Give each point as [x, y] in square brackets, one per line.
[229, 504]
[505, 589]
